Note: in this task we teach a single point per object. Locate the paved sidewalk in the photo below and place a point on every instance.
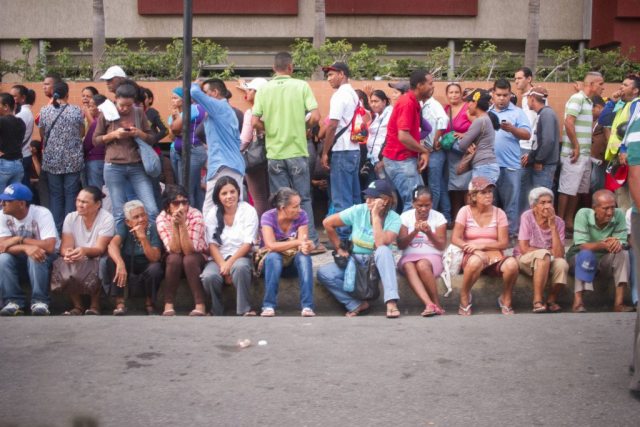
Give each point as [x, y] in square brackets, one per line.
[488, 370]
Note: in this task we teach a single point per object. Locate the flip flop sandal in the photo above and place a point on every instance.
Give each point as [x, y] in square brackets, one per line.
[393, 313]
[120, 311]
[361, 309]
[73, 312]
[430, 311]
[554, 307]
[507, 311]
[196, 313]
[579, 309]
[169, 313]
[249, 313]
[465, 311]
[91, 312]
[539, 307]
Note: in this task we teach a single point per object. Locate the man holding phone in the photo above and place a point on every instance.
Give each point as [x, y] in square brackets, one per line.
[514, 126]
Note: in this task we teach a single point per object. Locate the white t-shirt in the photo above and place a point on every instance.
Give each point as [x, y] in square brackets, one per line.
[74, 224]
[342, 108]
[378, 133]
[433, 112]
[421, 244]
[38, 225]
[26, 116]
[244, 229]
[527, 144]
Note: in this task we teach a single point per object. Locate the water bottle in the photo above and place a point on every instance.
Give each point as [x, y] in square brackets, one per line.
[349, 282]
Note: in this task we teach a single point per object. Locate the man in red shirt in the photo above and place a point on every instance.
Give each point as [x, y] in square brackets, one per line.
[404, 156]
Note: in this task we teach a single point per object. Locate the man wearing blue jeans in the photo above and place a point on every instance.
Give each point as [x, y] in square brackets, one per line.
[403, 156]
[28, 241]
[514, 126]
[345, 153]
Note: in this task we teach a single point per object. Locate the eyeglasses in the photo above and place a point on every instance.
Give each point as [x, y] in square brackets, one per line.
[184, 202]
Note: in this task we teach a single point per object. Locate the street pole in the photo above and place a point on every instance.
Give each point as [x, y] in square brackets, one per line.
[186, 88]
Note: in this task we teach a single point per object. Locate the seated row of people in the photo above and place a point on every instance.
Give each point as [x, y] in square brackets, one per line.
[218, 250]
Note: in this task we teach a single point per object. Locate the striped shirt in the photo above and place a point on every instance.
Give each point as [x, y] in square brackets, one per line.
[580, 107]
[586, 230]
[195, 227]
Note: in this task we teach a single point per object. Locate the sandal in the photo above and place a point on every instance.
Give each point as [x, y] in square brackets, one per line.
[393, 313]
[361, 309]
[431, 310]
[439, 310]
[169, 313]
[268, 312]
[249, 313]
[74, 312]
[553, 307]
[307, 312]
[196, 313]
[120, 311]
[507, 311]
[539, 307]
[464, 311]
[91, 312]
[579, 309]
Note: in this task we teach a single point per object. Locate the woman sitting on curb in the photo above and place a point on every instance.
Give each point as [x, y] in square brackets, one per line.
[374, 226]
[231, 229]
[286, 250]
[422, 238]
[540, 251]
[481, 231]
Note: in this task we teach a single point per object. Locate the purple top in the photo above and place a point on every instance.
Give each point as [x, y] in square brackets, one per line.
[270, 218]
[537, 237]
[92, 152]
[198, 114]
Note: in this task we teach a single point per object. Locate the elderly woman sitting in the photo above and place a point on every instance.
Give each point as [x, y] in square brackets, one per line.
[134, 259]
[85, 236]
[374, 226]
[481, 231]
[540, 252]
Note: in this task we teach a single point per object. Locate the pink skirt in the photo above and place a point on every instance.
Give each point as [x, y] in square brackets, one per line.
[435, 260]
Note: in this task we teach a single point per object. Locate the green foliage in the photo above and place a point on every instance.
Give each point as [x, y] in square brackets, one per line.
[564, 64]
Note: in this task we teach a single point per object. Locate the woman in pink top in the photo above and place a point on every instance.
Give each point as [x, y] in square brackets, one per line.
[458, 123]
[482, 232]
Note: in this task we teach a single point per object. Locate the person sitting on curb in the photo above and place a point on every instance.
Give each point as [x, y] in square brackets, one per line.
[374, 226]
[540, 252]
[28, 240]
[599, 244]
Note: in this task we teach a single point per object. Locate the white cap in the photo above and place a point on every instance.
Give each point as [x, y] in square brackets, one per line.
[256, 83]
[113, 71]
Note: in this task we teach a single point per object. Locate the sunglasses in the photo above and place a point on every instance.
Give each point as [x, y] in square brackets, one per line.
[180, 202]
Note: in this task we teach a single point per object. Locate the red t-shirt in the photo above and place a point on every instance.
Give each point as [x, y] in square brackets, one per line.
[405, 116]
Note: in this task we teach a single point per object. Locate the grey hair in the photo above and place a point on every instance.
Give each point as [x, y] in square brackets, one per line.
[283, 197]
[130, 206]
[536, 193]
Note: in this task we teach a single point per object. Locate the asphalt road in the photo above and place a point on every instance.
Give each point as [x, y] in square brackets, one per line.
[487, 370]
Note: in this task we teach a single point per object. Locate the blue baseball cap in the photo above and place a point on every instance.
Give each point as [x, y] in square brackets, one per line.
[379, 188]
[17, 191]
[586, 265]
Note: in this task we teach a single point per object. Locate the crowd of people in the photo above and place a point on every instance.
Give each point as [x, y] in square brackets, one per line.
[397, 170]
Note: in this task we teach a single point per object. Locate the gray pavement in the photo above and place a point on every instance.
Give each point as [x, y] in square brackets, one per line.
[487, 370]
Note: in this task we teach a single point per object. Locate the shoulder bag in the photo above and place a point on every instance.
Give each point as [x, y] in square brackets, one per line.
[367, 283]
[150, 159]
[467, 158]
[255, 154]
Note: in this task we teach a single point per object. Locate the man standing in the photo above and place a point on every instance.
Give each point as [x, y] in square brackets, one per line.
[514, 126]
[223, 136]
[539, 165]
[345, 154]
[114, 76]
[575, 174]
[599, 243]
[438, 119]
[403, 156]
[282, 109]
[28, 240]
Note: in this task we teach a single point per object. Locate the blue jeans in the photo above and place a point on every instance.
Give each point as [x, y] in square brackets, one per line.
[531, 178]
[294, 173]
[94, 173]
[345, 183]
[508, 192]
[405, 177]
[633, 282]
[197, 162]
[63, 190]
[27, 168]
[11, 171]
[489, 171]
[17, 268]
[439, 184]
[118, 177]
[331, 277]
[273, 270]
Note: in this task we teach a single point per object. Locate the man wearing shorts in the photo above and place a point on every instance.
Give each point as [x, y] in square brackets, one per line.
[575, 157]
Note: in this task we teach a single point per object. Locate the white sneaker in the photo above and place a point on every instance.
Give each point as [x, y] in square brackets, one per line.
[40, 309]
[11, 309]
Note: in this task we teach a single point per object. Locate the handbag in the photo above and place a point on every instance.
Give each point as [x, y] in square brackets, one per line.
[367, 283]
[150, 160]
[367, 167]
[81, 277]
[467, 158]
[255, 154]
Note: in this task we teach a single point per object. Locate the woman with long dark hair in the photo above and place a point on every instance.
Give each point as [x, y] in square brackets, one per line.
[12, 131]
[231, 228]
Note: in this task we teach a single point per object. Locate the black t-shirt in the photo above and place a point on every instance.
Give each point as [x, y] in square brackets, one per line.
[12, 130]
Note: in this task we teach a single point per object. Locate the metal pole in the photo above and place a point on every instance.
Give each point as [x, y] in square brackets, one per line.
[186, 87]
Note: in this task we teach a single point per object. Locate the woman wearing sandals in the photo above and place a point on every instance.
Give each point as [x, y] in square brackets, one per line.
[481, 231]
[374, 226]
[422, 238]
[181, 229]
[85, 236]
[231, 228]
[134, 259]
[540, 251]
[285, 231]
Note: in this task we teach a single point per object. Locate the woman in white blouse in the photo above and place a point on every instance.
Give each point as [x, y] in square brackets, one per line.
[381, 107]
[231, 228]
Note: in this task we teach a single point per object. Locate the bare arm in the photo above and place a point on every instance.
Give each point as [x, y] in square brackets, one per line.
[330, 224]
[269, 239]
